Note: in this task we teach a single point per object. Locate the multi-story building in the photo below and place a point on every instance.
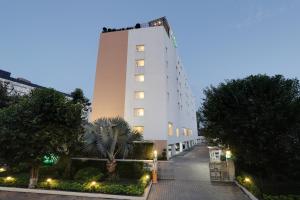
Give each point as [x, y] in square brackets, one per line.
[140, 77]
[19, 86]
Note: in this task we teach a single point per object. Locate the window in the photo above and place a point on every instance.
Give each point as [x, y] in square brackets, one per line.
[139, 78]
[139, 129]
[185, 132]
[139, 112]
[139, 95]
[140, 48]
[170, 129]
[190, 132]
[140, 63]
[177, 132]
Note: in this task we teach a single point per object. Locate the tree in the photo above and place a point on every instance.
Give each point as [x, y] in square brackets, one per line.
[73, 137]
[79, 98]
[35, 127]
[7, 95]
[259, 118]
[108, 137]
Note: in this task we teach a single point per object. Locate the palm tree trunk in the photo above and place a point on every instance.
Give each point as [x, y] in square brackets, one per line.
[34, 175]
[111, 168]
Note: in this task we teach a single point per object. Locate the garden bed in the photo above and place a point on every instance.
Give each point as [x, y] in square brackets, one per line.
[253, 192]
[79, 194]
[140, 188]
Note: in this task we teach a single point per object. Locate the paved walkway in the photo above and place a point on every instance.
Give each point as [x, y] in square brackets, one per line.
[192, 181]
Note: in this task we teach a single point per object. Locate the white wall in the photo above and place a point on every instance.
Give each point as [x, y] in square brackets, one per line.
[160, 78]
[154, 103]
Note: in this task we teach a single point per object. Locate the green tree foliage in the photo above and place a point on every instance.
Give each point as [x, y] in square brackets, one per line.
[259, 117]
[79, 98]
[39, 124]
[73, 137]
[7, 95]
[108, 137]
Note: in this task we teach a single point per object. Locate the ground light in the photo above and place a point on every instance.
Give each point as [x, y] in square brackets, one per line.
[147, 177]
[93, 183]
[247, 180]
[9, 179]
[2, 169]
[49, 180]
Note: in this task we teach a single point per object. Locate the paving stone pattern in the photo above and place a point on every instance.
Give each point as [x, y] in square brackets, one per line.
[192, 181]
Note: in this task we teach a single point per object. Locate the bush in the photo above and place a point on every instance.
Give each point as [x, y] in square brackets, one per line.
[49, 171]
[251, 186]
[163, 155]
[130, 170]
[61, 185]
[107, 188]
[281, 197]
[88, 174]
[20, 180]
[142, 151]
[80, 164]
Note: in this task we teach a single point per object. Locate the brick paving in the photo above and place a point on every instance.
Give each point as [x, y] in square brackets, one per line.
[192, 181]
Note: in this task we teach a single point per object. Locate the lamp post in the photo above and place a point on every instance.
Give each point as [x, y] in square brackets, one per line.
[154, 171]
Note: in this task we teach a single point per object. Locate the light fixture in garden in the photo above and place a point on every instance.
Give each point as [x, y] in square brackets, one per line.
[247, 180]
[9, 179]
[147, 177]
[49, 180]
[93, 183]
[228, 154]
[2, 169]
[155, 154]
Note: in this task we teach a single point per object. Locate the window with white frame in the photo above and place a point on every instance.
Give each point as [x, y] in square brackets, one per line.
[139, 77]
[139, 94]
[139, 112]
[140, 48]
[140, 63]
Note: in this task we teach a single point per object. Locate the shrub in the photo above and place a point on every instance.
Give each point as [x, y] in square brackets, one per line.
[20, 180]
[88, 174]
[143, 151]
[61, 185]
[281, 197]
[130, 170]
[251, 186]
[49, 171]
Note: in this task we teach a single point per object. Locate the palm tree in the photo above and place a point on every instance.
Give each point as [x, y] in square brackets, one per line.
[108, 137]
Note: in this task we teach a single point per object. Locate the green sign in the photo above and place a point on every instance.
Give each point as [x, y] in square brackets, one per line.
[50, 159]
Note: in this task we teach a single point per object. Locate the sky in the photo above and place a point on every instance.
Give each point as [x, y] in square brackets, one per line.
[54, 43]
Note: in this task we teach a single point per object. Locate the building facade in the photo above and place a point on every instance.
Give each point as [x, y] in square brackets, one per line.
[19, 86]
[140, 77]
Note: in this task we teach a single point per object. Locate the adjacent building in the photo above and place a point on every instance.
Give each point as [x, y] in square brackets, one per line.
[19, 86]
[140, 77]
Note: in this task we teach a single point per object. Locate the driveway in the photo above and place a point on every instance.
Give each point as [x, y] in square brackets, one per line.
[191, 181]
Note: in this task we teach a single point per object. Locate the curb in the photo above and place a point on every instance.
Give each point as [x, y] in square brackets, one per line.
[249, 194]
[79, 194]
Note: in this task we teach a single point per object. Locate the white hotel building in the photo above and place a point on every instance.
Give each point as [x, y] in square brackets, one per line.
[140, 77]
